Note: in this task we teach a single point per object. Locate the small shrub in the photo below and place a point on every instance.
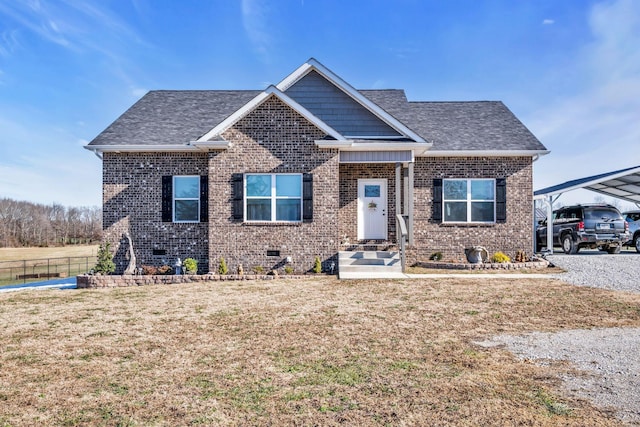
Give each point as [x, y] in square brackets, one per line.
[165, 270]
[436, 256]
[258, 269]
[149, 270]
[222, 267]
[105, 264]
[500, 257]
[190, 265]
[521, 256]
[288, 269]
[317, 265]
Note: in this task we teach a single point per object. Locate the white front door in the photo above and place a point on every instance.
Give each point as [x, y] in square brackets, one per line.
[372, 209]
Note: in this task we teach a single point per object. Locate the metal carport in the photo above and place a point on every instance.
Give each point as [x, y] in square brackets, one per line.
[623, 184]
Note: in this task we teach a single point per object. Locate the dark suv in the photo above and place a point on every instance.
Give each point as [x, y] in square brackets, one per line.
[633, 218]
[586, 226]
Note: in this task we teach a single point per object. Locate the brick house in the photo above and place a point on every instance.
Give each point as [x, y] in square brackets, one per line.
[311, 167]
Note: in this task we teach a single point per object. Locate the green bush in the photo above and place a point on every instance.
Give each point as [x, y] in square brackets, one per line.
[190, 265]
[500, 257]
[288, 269]
[222, 267]
[105, 264]
[258, 269]
[317, 265]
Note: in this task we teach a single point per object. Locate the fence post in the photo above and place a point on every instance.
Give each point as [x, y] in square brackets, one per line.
[24, 271]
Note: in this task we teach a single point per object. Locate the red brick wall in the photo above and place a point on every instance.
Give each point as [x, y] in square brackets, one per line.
[132, 202]
[273, 139]
[513, 235]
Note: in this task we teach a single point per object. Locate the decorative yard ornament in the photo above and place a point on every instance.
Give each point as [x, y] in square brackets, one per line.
[476, 254]
[131, 269]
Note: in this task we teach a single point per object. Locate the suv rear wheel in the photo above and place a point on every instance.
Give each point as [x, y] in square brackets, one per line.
[568, 245]
[636, 242]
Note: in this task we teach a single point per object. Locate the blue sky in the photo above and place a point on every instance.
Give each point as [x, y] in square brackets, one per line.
[570, 70]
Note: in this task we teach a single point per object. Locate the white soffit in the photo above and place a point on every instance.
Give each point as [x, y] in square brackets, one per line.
[313, 64]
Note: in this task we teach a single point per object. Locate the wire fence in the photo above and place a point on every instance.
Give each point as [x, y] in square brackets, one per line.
[37, 270]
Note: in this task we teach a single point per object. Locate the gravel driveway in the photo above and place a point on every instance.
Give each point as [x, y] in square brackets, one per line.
[620, 272]
[608, 359]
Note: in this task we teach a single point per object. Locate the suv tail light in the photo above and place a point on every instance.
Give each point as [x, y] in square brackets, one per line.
[581, 226]
[626, 226]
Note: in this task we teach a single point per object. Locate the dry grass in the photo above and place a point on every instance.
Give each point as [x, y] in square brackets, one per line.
[14, 254]
[313, 352]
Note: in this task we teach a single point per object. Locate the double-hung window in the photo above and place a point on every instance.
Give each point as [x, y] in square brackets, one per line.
[469, 200]
[186, 198]
[273, 197]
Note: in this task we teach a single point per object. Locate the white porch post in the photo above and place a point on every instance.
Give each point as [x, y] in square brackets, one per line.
[549, 201]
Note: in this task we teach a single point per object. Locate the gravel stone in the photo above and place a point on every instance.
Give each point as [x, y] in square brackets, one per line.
[608, 359]
[619, 272]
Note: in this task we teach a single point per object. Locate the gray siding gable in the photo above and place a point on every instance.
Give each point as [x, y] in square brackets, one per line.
[337, 109]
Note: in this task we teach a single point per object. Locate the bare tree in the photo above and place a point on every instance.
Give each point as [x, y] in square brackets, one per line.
[31, 224]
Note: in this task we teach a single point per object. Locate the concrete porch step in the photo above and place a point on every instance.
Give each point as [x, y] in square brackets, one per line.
[369, 263]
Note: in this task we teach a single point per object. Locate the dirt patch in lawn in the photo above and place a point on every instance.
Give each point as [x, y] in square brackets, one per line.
[303, 352]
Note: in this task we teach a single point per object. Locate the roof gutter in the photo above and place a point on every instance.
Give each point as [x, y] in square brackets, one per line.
[142, 148]
[350, 145]
[487, 153]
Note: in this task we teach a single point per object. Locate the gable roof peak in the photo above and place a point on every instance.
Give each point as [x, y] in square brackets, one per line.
[314, 65]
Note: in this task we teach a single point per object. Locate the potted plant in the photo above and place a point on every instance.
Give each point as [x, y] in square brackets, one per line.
[190, 265]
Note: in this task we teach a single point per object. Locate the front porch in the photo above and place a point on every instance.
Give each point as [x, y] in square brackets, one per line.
[376, 213]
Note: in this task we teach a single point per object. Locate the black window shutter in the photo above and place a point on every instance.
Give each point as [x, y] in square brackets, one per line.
[237, 196]
[167, 198]
[307, 197]
[204, 198]
[501, 200]
[436, 215]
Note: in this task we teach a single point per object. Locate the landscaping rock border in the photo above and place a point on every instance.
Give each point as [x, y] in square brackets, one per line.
[537, 264]
[114, 281]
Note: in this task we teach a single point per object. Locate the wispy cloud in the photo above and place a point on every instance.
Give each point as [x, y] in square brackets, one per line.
[9, 42]
[255, 20]
[597, 130]
[548, 22]
[72, 24]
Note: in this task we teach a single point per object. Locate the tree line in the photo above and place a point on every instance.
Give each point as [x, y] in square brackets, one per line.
[31, 224]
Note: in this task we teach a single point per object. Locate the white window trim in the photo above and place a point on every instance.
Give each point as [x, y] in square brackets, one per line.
[273, 198]
[468, 200]
[174, 199]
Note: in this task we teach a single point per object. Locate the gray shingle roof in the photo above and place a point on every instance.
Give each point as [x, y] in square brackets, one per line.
[177, 117]
[456, 126]
[167, 117]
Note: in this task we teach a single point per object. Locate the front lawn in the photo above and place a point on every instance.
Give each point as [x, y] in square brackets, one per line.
[293, 352]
